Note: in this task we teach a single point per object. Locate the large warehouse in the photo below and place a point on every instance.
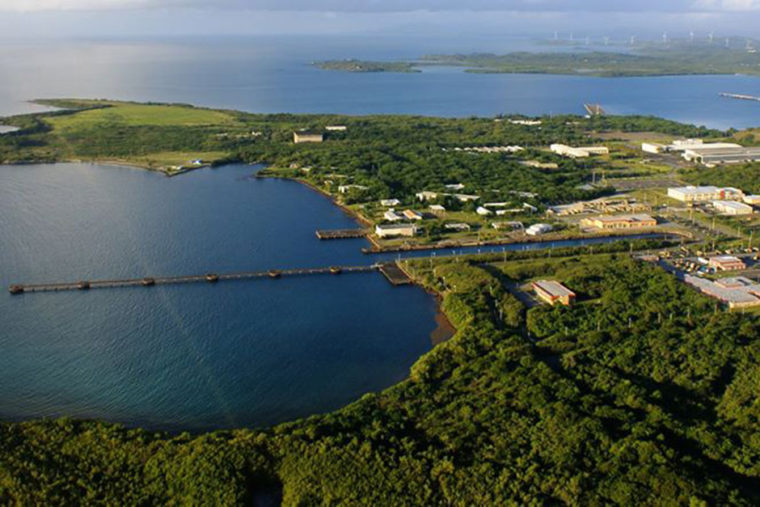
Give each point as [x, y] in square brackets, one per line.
[715, 156]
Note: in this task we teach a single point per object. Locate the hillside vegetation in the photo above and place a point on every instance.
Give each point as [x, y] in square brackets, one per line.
[643, 393]
[393, 156]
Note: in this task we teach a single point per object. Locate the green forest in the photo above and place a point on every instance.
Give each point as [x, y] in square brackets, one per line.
[644, 392]
[394, 156]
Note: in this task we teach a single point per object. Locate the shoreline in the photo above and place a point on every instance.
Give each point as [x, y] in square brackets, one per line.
[521, 241]
[365, 222]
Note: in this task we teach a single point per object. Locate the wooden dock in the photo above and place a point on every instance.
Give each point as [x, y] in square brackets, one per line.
[342, 233]
[395, 275]
[594, 109]
[85, 285]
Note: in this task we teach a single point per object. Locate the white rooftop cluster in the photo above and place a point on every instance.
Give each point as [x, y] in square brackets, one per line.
[580, 152]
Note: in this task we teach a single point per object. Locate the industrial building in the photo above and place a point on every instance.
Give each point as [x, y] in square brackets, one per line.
[732, 208]
[457, 227]
[307, 136]
[413, 215]
[553, 292]
[538, 229]
[392, 216]
[738, 292]
[714, 155]
[705, 194]
[727, 263]
[344, 189]
[580, 152]
[653, 148]
[620, 222]
[426, 196]
[431, 196]
[395, 230]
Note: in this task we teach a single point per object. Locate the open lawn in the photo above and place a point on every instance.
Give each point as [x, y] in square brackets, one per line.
[125, 114]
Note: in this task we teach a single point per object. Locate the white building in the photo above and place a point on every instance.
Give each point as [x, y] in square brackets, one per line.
[581, 152]
[412, 215]
[396, 230]
[539, 165]
[538, 229]
[652, 148]
[507, 225]
[711, 155]
[307, 136]
[437, 208]
[426, 196]
[392, 216]
[466, 197]
[455, 186]
[526, 123]
[389, 202]
[484, 212]
[344, 189]
[457, 227]
[732, 208]
[336, 128]
[684, 144]
[692, 194]
[754, 200]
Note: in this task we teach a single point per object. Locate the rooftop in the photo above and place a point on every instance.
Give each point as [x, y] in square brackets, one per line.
[553, 288]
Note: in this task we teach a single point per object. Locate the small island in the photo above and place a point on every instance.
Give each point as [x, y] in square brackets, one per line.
[367, 66]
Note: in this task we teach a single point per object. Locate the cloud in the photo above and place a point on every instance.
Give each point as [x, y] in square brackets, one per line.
[727, 5]
[599, 6]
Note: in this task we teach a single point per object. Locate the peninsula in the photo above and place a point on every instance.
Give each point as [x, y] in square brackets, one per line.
[586, 375]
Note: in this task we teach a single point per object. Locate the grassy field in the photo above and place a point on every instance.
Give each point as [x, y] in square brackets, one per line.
[126, 114]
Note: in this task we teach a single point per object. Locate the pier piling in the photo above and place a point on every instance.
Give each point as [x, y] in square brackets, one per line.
[212, 278]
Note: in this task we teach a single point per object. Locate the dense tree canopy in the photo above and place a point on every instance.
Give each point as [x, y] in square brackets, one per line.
[641, 393]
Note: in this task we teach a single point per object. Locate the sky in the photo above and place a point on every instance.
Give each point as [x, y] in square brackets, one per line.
[156, 18]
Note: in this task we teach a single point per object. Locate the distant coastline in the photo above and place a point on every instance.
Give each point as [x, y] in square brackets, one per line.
[649, 61]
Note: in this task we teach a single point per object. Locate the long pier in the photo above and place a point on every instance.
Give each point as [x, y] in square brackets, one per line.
[740, 96]
[342, 233]
[391, 271]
